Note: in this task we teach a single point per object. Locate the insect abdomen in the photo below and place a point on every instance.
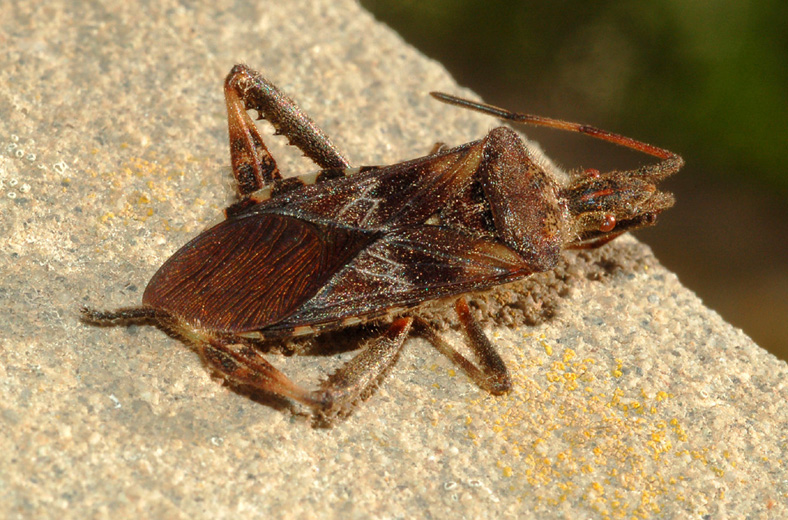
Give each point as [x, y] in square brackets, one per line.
[247, 273]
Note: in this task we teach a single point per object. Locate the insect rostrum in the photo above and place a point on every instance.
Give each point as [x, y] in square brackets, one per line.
[308, 254]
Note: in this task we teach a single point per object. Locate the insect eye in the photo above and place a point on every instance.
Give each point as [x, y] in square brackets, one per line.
[608, 223]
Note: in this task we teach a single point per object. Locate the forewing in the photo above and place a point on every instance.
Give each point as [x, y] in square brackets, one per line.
[246, 273]
[400, 195]
[405, 268]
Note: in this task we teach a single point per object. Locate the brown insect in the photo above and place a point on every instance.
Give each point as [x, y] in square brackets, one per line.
[305, 255]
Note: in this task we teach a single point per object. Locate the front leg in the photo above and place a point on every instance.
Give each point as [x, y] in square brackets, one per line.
[491, 373]
[253, 165]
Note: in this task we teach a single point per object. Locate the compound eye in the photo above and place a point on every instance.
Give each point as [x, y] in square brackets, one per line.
[608, 223]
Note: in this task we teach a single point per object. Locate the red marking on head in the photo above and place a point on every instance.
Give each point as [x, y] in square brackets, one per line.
[595, 194]
[592, 172]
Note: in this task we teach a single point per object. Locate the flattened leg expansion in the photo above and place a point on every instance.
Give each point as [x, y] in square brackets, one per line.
[253, 165]
[246, 366]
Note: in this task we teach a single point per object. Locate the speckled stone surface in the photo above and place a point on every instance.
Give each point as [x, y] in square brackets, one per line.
[631, 399]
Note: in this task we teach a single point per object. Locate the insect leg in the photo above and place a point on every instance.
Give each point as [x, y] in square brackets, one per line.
[491, 374]
[244, 365]
[494, 368]
[252, 163]
[357, 379]
[272, 104]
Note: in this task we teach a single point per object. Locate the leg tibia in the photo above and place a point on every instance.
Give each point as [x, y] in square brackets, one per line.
[491, 374]
[259, 94]
[252, 163]
[244, 365]
[356, 379]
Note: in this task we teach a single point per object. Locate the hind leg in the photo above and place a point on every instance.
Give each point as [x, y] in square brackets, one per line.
[245, 365]
[253, 165]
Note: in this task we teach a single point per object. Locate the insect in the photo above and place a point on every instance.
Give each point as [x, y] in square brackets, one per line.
[305, 255]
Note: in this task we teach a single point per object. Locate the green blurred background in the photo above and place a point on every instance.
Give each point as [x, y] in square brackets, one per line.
[708, 80]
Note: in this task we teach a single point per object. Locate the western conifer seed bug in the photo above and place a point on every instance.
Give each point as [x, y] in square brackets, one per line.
[324, 251]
